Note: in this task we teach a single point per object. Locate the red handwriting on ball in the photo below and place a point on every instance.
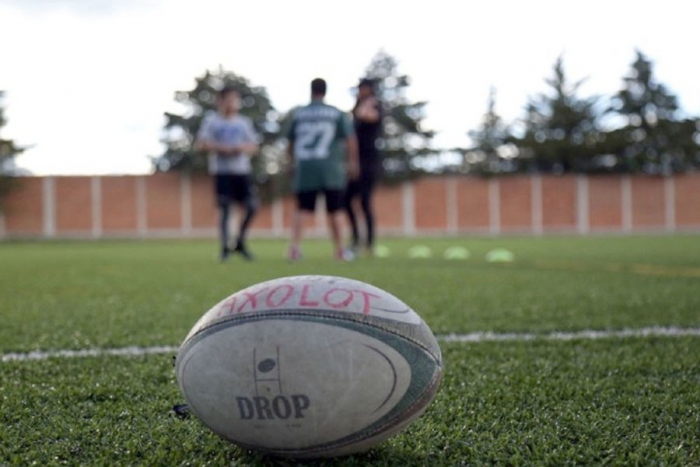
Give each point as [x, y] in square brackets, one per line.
[296, 297]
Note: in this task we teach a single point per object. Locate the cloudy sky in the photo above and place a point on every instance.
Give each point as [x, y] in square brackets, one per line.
[87, 81]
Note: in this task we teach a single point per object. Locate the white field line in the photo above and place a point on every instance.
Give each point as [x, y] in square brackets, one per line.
[570, 336]
[96, 352]
[475, 337]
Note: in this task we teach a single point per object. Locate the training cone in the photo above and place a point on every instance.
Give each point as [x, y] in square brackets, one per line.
[456, 252]
[500, 255]
[419, 251]
[382, 251]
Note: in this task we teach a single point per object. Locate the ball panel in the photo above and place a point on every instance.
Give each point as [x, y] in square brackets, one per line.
[310, 384]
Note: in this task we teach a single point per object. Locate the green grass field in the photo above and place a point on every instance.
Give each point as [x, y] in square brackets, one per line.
[610, 401]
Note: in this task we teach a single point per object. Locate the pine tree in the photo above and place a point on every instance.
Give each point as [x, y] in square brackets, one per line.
[561, 129]
[8, 150]
[654, 137]
[404, 137]
[490, 142]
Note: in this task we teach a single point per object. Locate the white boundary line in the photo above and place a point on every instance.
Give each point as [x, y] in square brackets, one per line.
[475, 337]
[120, 352]
[570, 336]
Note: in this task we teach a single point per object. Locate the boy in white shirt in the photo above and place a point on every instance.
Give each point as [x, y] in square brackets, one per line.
[231, 141]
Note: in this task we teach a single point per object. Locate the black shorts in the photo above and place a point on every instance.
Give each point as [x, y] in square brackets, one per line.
[230, 188]
[306, 200]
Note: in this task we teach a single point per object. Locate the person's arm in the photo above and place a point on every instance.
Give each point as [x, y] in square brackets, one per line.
[290, 134]
[224, 149]
[345, 130]
[220, 149]
[204, 140]
[290, 152]
[368, 111]
[202, 145]
[248, 148]
[250, 145]
[353, 156]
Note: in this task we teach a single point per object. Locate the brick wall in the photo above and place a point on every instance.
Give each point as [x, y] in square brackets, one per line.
[118, 204]
[24, 208]
[558, 203]
[175, 205]
[473, 204]
[687, 200]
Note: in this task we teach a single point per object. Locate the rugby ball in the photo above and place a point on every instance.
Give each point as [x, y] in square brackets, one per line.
[309, 366]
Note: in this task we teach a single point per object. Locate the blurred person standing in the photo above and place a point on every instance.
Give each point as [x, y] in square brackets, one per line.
[367, 118]
[319, 137]
[231, 141]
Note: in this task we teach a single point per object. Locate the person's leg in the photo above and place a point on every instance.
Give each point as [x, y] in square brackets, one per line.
[334, 226]
[366, 188]
[297, 229]
[334, 205]
[222, 186]
[350, 193]
[223, 228]
[306, 205]
[248, 200]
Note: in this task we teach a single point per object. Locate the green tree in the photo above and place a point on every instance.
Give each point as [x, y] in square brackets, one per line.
[8, 150]
[404, 140]
[653, 138]
[560, 129]
[181, 129]
[491, 147]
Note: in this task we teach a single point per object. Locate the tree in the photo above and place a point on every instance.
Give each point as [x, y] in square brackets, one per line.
[181, 129]
[404, 140]
[653, 138]
[490, 147]
[8, 150]
[560, 129]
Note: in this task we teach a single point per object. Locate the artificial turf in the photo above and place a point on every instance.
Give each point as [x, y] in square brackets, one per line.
[631, 401]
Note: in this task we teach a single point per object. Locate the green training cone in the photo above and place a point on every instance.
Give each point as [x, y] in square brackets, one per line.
[419, 251]
[457, 252]
[382, 251]
[500, 255]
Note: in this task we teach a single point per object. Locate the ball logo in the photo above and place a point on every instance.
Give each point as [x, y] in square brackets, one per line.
[269, 402]
[280, 407]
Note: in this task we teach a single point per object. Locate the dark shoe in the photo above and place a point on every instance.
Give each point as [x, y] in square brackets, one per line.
[225, 252]
[243, 251]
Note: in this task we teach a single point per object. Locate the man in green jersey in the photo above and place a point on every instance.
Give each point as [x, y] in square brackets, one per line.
[319, 137]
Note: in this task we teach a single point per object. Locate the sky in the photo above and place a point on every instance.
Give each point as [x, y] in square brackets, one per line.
[87, 81]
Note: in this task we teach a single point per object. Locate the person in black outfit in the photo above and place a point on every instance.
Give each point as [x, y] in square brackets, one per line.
[367, 117]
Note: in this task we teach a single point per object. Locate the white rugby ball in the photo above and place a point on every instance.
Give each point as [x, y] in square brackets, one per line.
[309, 366]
